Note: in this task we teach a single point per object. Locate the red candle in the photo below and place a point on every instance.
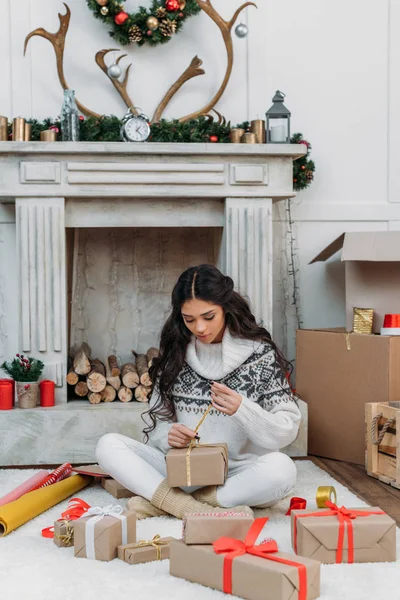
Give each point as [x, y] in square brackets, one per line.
[47, 395]
[13, 384]
[6, 395]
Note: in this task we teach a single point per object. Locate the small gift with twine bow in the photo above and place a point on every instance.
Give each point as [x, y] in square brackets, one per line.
[100, 531]
[145, 550]
[342, 535]
[198, 464]
[247, 570]
[63, 530]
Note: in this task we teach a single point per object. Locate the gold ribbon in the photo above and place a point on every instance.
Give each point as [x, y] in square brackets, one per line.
[324, 493]
[155, 542]
[68, 537]
[363, 319]
[192, 444]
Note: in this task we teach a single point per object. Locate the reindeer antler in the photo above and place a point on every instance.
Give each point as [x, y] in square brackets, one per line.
[193, 70]
[58, 42]
[225, 28]
[120, 86]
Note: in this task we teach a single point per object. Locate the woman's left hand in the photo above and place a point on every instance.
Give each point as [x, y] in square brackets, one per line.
[224, 399]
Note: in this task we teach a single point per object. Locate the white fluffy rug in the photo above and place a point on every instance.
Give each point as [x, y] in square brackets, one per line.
[32, 567]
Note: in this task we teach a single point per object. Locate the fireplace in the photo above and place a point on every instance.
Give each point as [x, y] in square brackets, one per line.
[100, 232]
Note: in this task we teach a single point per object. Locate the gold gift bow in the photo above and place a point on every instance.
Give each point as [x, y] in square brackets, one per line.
[155, 542]
[191, 446]
[324, 493]
[67, 537]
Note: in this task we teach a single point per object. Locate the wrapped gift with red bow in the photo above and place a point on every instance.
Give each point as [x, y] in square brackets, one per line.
[247, 570]
[337, 535]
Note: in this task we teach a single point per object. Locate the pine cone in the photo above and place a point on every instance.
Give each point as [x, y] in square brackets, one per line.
[309, 175]
[161, 12]
[167, 27]
[135, 33]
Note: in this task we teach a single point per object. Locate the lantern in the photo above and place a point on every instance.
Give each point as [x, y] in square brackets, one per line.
[278, 121]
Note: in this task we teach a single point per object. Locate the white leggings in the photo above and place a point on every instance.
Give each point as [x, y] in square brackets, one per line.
[141, 469]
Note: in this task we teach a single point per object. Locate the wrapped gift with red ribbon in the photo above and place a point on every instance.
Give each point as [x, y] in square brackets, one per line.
[339, 535]
[247, 570]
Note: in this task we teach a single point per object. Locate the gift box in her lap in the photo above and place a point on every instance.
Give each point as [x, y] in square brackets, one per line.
[203, 465]
[345, 535]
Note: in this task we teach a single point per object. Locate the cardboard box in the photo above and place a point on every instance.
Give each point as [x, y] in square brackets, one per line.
[317, 537]
[206, 528]
[116, 489]
[253, 577]
[208, 465]
[145, 551]
[107, 535]
[337, 374]
[372, 272]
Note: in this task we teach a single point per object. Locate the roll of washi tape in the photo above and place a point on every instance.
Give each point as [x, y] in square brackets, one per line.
[324, 493]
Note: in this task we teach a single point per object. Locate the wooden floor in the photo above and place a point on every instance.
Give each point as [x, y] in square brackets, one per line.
[367, 488]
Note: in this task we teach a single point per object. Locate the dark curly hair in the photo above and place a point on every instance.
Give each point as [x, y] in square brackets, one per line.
[204, 282]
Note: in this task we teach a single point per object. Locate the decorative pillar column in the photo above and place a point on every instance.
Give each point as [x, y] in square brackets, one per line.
[42, 285]
[248, 252]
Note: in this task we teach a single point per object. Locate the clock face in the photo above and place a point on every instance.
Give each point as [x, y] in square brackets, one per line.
[137, 130]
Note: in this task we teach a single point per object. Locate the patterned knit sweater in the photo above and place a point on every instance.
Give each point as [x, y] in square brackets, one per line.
[268, 418]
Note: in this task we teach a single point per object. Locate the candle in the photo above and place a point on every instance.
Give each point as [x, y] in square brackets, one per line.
[236, 135]
[27, 132]
[249, 138]
[18, 129]
[3, 129]
[278, 133]
[12, 381]
[49, 135]
[47, 396]
[6, 395]
[258, 127]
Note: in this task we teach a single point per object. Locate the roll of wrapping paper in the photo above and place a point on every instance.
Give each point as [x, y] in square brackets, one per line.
[25, 487]
[324, 493]
[32, 504]
[362, 320]
[55, 476]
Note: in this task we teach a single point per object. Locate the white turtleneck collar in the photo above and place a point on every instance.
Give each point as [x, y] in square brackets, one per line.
[215, 361]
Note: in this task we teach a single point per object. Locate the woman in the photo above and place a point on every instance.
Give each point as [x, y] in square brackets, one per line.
[211, 350]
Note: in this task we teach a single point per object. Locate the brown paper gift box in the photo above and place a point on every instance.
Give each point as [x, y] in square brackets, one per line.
[205, 529]
[115, 488]
[253, 577]
[134, 555]
[107, 534]
[208, 465]
[374, 537]
[63, 529]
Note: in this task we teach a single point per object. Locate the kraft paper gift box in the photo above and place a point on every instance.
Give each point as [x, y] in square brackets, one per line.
[275, 576]
[145, 550]
[206, 528]
[332, 537]
[63, 533]
[115, 488]
[97, 535]
[198, 466]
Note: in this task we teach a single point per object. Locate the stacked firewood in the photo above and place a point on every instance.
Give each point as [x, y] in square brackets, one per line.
[106, 382]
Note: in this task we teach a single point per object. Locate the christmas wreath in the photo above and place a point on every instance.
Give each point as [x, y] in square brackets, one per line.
[153, 26]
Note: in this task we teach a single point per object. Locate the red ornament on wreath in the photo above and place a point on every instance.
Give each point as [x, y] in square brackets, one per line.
[121, 17]
[172, 5]
[214, 139]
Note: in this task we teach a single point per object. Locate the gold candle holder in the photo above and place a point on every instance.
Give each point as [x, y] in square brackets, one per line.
[258, 128]
[48, 135]
[27, 132]
[363, 319]
[249, 138]
[18, 129]
[236, 135]
[3, 129]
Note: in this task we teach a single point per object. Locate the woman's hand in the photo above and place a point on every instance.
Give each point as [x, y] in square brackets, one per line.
[179, 436]
[224, 399]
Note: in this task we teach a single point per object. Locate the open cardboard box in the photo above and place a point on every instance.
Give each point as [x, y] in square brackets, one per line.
[372, 272]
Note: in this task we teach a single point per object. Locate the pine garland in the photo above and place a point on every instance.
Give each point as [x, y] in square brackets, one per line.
[303, 168]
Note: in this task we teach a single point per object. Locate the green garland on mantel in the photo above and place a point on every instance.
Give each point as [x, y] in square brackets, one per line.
[201, 130]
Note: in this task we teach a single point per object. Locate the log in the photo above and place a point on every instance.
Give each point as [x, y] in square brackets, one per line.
[82, 364]
[72, 377]
[113, 366]
[81, 389]
[142, 393]
[143, 369]
[129, 375]
[114, 380]
[151, 354]
[125, 394]
[94, 398]
[108, 394]
[96, 380]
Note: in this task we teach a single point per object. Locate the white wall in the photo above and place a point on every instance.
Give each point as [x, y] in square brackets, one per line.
[339, 64]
